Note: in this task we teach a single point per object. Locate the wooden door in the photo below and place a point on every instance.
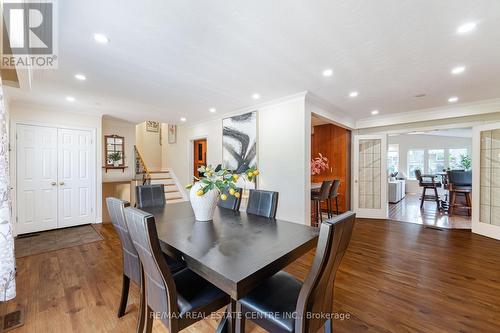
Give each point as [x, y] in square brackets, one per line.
[36, 170]
[199, 155]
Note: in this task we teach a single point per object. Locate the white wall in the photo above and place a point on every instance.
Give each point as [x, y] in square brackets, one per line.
[149, 146]
[282, 150]
[417, 141]
[113, 126]
[36, 115]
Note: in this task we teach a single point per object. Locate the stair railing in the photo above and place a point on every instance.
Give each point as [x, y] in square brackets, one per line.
[141, 168]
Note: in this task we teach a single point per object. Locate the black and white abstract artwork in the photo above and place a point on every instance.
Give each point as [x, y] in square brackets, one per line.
[239, 142]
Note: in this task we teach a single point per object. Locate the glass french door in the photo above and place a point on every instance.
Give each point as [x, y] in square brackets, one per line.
[370, 176]
[486, 180]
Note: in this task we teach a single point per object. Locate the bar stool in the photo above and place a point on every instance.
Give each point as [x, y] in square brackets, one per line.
[318, 197]
[334, 194]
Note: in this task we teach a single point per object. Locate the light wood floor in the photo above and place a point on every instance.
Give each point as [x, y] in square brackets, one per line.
[395, 277]
[408, 210]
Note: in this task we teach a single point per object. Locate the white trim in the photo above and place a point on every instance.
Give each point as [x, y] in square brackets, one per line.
[446, 112]
[479, 227]
[329, 112]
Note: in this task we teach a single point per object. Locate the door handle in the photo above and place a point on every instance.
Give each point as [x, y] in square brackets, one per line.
[61, 183]
[53, 183]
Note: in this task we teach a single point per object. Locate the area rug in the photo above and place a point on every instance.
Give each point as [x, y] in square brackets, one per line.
[36, 243]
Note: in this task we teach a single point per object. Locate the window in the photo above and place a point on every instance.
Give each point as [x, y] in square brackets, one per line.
[415, 162]
[393, 158]
[455, 158]
[436, 161]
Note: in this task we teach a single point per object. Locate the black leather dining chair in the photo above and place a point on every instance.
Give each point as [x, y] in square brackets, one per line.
[320, 196]
[334, 195]
[150, 195]
[263, 203]
[179, 299]
[131, 263]
[231, 202]
[283, 303]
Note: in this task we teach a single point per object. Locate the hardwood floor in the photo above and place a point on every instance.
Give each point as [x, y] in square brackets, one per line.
[408, 210]
[395, 277]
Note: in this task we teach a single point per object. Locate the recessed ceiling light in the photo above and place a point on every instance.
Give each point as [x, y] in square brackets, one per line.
[255, 96]
[374, 112]
[70, 99]
[183, 119]
[80, 77]
[327, 72]
[100, 38]
[458, 70]
[353, 94]
[453, 99]
[212, 110]
[467, 27]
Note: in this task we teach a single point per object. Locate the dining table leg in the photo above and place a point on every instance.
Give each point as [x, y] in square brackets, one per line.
[228, 323]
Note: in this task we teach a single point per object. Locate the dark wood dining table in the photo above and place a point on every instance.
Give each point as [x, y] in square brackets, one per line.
[235, 251]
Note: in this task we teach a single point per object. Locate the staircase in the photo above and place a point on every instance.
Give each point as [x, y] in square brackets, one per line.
[173, 190]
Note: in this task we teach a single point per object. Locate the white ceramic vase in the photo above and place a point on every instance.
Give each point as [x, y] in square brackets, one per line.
[203, 206]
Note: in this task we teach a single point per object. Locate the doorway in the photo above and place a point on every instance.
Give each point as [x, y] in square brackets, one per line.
[55, 174]
[330, 161]
[199, 156]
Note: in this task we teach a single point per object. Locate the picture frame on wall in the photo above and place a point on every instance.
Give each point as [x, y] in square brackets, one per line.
[152, 126]
[239, 142]
[172, 133]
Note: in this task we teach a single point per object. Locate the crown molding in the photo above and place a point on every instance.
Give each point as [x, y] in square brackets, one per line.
[451, 111]
[330, 112]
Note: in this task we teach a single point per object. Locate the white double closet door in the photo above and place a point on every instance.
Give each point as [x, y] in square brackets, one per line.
[55, 171]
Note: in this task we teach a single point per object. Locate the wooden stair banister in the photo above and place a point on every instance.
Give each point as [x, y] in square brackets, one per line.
[140, 167]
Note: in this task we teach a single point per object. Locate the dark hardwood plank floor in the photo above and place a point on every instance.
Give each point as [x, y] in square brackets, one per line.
[395, 277]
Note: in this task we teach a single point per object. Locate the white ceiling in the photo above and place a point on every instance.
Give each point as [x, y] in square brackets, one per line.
[172, 59]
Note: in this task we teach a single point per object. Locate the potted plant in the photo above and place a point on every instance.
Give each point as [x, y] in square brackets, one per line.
[115, 157]
[209, 188]
[465, 162]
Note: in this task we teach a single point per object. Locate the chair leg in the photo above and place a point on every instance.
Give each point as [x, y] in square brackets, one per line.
[437, 197]
[320, 212]
[328, 327]
[453, 196]
[469, 203]
[423, 198]
[123, 300]
[328, 208]
[142, 305]
[149, 320]
[337, 205]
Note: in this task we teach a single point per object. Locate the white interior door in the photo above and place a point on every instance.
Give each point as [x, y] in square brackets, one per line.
[486, 180]
[36, 166]
[75, 177]
[370, 176]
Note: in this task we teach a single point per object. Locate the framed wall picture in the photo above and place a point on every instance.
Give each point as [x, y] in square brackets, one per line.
[172, 133]
[152, 126]
[239, 142]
